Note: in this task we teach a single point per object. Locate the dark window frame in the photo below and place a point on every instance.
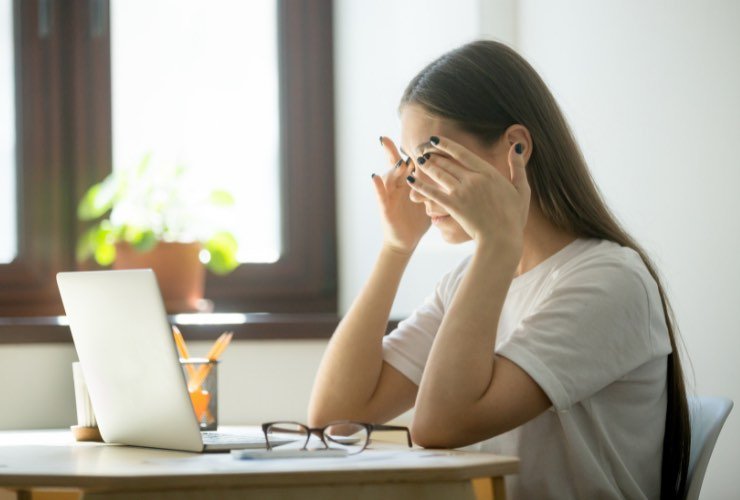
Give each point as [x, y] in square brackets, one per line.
[63, 109]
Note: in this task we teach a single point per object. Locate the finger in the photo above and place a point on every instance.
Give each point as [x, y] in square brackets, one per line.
[423, 148]
[517, 167]
[440, 170]
[460, 153]
[394, 157]
[429, 190]
[379, 186]
[410, 166]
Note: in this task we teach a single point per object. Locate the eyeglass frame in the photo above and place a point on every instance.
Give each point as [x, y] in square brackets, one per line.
[319, 431]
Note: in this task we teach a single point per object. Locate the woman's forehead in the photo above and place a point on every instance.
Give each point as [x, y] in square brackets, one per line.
[418, 125]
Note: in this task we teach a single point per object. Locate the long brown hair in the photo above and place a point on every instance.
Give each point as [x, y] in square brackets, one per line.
[484, 87]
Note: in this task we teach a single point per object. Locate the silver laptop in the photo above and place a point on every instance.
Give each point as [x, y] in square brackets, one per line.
[131, 365]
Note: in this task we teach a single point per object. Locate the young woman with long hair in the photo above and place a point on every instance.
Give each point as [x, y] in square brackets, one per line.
[554, 341]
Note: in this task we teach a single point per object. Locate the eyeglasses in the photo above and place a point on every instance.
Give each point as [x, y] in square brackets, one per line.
[353, 437]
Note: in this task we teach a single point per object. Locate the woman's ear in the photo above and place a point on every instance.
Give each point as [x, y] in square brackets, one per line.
[519, 134]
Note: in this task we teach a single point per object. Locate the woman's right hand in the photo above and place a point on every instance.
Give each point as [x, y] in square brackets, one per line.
[404, 222]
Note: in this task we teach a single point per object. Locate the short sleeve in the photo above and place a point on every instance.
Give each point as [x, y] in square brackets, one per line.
[407, 347]
[600, 322]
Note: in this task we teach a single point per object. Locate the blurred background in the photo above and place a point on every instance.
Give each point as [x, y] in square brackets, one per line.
[650, 89]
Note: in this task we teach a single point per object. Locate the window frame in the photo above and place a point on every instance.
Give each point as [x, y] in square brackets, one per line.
[64, 138]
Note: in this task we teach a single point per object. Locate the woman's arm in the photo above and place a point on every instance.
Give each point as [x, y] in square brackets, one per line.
[466, 393]
[353, 382]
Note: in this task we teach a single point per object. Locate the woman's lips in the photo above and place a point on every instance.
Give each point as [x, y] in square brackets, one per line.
[436, 219]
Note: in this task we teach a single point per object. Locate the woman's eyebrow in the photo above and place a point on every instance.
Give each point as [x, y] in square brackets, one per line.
[423, 146]
[420, 147]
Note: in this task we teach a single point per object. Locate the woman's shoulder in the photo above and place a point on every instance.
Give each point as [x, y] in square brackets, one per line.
[603, 254]
[609, 264]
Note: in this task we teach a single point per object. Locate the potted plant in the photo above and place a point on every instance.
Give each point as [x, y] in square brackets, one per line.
[160, 216]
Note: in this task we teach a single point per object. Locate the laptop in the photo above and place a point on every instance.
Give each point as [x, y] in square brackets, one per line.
[131, 366]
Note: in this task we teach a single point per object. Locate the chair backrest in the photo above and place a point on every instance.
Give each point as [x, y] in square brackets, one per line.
[707, 417]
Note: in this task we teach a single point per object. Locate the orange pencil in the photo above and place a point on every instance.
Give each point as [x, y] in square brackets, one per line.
[220, 346]
[216, 350]
[182, 350]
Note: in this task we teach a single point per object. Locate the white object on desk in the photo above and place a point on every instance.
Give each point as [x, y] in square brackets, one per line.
[85, 414]
[277, 454]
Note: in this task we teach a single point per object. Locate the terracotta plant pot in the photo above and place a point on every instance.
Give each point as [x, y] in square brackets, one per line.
[180, 273]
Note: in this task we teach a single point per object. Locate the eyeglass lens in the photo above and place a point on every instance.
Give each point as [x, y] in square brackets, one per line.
[296, 434]
[347, 436]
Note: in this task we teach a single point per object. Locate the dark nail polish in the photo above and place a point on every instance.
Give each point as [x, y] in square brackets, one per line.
[408, 161]
[427, 156]
[434, 140]
[420, 160]
[411, 179]
[398, 163]
[518, 148]
[381, 140]
[372, 176]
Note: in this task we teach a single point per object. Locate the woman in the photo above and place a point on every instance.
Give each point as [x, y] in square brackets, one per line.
[554, 340]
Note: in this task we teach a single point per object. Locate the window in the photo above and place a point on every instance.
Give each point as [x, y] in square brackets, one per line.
[8, 229]
[186, 90]
[67, 123]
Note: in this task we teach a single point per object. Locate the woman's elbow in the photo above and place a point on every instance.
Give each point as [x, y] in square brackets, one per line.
[319, 412]
[433, 433]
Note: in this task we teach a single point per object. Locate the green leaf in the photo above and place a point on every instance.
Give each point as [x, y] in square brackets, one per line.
[221, 197]
[97, 242]
[143, 165]
[86, 244]
[98, 199]
[130, 234]
[105, 254]
[141, 239]
[147, 241]
[222, 248]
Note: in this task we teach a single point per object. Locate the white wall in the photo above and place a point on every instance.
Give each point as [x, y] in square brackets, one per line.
[652, 91]
[37, 392]
[378, 50]
[259, 381]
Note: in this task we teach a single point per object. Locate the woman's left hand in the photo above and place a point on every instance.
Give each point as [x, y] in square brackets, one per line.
[489, 207]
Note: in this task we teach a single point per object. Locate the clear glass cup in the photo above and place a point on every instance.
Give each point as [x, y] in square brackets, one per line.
[202, 378]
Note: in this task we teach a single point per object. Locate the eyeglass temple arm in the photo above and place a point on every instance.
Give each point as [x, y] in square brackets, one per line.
[381, 427]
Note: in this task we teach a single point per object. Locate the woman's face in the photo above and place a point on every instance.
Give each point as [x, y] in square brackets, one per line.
[417, 126]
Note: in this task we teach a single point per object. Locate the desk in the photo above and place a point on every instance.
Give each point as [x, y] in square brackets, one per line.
[31, 461]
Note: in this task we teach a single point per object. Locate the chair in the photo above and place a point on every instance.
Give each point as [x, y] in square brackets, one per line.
[707, 417]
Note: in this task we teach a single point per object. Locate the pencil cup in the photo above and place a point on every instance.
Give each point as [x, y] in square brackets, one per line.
[87, 427]
[202, 377]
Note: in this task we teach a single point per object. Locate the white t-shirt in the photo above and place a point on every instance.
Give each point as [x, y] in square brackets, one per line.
[588, 326]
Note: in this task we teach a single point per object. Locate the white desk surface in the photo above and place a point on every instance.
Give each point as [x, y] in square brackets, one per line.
[51, 458]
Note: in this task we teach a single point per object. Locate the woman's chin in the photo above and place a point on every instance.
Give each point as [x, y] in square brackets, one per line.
[454, 236]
